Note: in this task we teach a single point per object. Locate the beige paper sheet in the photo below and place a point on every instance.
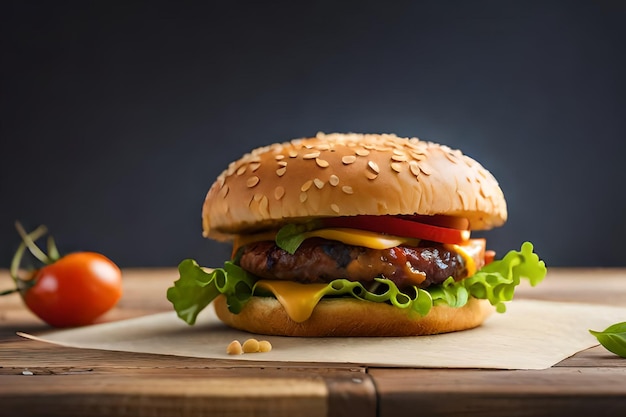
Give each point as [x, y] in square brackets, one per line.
[530, 335]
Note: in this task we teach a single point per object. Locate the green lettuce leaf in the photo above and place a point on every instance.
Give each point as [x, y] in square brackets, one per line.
[496, 282]
[196, 288]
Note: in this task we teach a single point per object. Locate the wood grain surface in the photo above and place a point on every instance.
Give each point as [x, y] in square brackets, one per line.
[41, 379]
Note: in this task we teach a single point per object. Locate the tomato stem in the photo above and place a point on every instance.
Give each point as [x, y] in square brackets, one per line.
[19, 253]
[31, 245]
[53, 252]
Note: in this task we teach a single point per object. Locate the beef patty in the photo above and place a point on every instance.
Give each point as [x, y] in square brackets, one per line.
[320, 261]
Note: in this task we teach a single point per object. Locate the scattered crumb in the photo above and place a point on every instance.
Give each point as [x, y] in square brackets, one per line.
[249, 346]
[234, 348]
[265, 346]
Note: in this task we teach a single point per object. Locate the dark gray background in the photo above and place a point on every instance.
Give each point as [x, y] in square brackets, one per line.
[117, 117]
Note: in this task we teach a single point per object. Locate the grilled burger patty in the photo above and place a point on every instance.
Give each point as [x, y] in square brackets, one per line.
[320, 261]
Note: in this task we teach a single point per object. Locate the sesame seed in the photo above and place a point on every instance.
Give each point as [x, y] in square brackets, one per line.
[264, 206]
[334, 207]
[347, 189]
[306, 186]
[279, 192]
[279, 157]
[254, 166]
[311, 155]
[348, 159]
[322, 163]
[282, 163]
[252, 181]
[362, 152]
[373, 166]
[333, 180]
[414, 167]
[224, 191]
[399, 158]
[318, 183]
[293, 153]
[425, 169]
[418, 156]
[396, 166]
[303, 197]
[281, 171]
[241, 170]
[451, 157]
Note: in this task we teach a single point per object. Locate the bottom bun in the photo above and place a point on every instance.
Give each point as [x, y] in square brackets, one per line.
[352, 317]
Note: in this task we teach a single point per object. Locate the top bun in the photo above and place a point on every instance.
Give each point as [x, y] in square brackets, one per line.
[346, 175]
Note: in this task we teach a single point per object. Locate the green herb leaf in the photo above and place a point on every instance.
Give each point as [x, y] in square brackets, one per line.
[613, 338]
[290, 236]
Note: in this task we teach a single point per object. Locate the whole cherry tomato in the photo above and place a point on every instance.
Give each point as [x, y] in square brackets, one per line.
[67, 291]
[74, 290]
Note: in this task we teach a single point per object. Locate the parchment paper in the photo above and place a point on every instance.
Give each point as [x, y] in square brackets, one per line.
[530, 335]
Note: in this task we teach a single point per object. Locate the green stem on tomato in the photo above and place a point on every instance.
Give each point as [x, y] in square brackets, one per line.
[53, 252]
[31, 245]
[19, 253]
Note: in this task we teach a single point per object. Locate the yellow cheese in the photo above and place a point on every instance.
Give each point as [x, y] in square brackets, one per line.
[470, 264]
[367, 239]
[355, 237]
[297, 299]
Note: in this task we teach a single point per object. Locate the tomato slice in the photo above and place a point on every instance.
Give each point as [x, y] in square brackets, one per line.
[440, 220]
[490, 256]
[400, 227]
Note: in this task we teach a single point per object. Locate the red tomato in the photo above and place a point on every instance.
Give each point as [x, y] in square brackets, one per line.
[490, 256]
[74, 290]
[400, 227]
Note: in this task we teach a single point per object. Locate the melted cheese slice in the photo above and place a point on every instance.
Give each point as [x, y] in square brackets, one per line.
[355, 237]
[297, 299]
[367, 239]
[468, 259]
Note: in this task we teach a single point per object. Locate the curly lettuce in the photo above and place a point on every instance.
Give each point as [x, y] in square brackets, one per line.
[196, 288]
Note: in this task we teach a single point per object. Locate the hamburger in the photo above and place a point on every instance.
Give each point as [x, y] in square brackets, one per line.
[354, 235]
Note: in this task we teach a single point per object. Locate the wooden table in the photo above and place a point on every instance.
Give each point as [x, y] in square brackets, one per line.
[82, 382]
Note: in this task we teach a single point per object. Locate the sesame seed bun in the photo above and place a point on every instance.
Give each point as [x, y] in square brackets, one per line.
[352, 317]
[349, 174]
